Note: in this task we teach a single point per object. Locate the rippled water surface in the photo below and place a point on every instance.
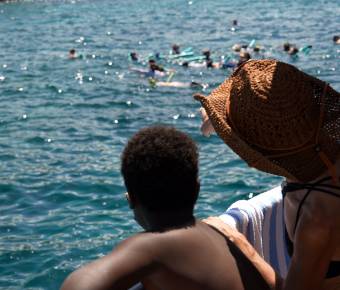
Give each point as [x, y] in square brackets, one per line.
[63, 123]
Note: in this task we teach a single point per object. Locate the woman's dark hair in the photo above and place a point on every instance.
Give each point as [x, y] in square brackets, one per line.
[160, 169]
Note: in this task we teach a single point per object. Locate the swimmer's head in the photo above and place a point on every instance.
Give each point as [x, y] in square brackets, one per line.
[236, 47]
[72, 53]
[244, 55]
[134, 56]
[206, 53]
[234, 22]
[256, 49]
[293, 50]
[175, 48]
[185, 64]
[286, 46]
[152, 64]
[336, 38]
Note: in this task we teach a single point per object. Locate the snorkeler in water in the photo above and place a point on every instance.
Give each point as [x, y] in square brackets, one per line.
[207, 61]
[291, 49]
[175, 49]
[244, 56]
[153, 70]
[195, 85]
[72, 54]
[233, 64]
[153, 66]
[134, 56]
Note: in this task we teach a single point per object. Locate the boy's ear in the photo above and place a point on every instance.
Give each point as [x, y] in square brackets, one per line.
[198, 187]
[129, 200]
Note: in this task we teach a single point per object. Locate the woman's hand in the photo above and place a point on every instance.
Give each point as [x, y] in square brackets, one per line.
[206, 128]
[239, 240]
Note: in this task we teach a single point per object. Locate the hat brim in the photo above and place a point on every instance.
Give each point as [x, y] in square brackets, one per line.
[216, 105]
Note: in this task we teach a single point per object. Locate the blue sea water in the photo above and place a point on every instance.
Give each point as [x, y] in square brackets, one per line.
[64, 123]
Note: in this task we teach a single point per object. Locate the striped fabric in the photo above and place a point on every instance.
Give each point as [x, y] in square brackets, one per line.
[260, 219]
[138, 286]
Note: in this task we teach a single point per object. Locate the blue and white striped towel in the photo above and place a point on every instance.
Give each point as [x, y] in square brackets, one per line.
[260, 219]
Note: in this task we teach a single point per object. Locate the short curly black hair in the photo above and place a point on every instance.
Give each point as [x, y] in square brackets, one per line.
[160, 169]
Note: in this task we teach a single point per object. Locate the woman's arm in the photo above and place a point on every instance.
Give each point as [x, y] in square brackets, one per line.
[314, 245]
[273, 279]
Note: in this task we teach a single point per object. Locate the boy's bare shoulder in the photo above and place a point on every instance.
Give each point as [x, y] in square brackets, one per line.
[155, 241]
[125, 265]
[146, 242]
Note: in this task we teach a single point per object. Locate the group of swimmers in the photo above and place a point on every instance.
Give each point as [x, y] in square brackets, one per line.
[184, 59]
[187, 59]
[242, 53]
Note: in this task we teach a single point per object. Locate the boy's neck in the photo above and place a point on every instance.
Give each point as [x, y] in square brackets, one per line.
[161, 222]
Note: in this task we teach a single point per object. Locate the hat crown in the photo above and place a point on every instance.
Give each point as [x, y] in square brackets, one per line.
[278, 119]
[271, 105]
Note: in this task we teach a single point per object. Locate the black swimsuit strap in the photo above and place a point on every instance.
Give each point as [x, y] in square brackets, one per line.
[292, 186]
[316, 186]
[299, 209]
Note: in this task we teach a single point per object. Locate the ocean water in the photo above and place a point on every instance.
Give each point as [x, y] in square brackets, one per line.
[64, 123]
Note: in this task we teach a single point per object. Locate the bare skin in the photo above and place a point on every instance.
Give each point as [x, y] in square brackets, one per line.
[317, 237]
[316, 240]
[206, 128]
[194, 257]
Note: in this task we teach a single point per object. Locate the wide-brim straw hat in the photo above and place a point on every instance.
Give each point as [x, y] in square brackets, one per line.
[278, 119]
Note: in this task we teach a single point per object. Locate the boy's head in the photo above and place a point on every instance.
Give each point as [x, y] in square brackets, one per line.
[160, 170]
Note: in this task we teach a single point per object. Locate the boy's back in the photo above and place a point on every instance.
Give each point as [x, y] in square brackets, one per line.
[193, 258]
[198, 257]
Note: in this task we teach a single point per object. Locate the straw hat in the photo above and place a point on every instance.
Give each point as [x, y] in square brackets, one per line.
[278, 119]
